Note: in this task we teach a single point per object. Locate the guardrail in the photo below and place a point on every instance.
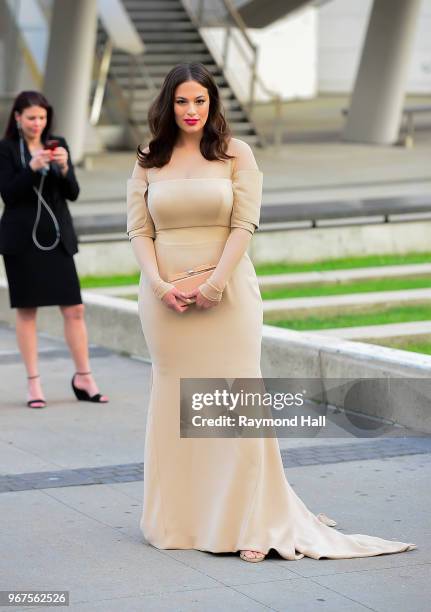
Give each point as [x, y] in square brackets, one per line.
[287, 216]
[408, 113]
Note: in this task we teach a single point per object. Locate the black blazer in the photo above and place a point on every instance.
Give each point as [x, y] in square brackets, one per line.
[20, 200]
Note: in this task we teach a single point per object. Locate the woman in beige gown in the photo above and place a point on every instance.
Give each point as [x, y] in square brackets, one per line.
[210, 494]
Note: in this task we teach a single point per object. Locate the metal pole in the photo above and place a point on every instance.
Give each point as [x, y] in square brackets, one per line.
[278, 122]
[102, 79]
[252, 81]
[227, 35]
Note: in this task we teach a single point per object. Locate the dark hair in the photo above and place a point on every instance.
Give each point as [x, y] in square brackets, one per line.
[24, 100]
[161, 119]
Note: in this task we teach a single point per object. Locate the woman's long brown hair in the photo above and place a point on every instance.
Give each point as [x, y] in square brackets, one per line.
[24, 100]
[164, 130]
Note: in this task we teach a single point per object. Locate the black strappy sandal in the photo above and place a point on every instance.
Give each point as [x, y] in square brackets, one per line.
[35, 401]
[83, 396]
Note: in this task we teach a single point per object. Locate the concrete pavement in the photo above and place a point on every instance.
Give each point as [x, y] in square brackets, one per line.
[85, 538]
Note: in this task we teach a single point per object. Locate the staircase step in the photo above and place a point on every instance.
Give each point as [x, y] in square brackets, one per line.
[144, 26]
[172, 47]
[140, 80]
[157, 73]
[154, 59]
[170, 37]
[160, 59]
[192, 36]
[235, 115]
[140, 15]
[241, 127]
[251, 139]
[145, 94]
[151, 4]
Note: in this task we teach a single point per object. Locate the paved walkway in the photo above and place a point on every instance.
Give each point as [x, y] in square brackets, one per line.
[71, 494]
[304, 172]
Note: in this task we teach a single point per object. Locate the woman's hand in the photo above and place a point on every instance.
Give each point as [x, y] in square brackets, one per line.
[60, 156]
[202, 303]
[176, 300]
[40, 160]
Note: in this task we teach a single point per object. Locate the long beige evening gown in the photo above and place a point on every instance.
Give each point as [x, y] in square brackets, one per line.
[225, 494]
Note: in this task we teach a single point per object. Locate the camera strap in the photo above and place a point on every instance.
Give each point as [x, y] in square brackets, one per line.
[40, 202]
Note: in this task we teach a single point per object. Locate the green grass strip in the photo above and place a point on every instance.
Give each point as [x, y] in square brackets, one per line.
[343, 264]
[88, 282]
[415, 347]
[401, 314]
[365, 286]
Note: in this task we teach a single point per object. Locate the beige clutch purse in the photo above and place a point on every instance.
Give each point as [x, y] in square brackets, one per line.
[191, 279]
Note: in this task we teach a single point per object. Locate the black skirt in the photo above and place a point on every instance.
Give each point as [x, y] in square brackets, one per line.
[42, 278]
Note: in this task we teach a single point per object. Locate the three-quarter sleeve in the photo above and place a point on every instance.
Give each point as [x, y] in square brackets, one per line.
[139, 221]
[247, 199]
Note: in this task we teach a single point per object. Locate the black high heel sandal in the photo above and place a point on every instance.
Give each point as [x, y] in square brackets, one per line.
[83, 396]
[35, 401]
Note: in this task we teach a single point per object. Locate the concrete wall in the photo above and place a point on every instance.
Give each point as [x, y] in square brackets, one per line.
[318, 50]
[341, 31]
[287, 57]
[105, 258]
[285, 354]
[338, 242]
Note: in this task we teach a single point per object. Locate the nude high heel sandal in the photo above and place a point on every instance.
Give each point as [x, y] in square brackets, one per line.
[244, 557]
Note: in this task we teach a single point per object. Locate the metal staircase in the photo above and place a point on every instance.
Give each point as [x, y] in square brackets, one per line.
[170, 36]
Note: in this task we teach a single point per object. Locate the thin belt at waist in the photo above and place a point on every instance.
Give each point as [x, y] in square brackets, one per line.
[192, 235]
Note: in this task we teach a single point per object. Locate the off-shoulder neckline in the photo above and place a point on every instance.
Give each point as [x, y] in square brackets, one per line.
[197, 178]
[192, 178]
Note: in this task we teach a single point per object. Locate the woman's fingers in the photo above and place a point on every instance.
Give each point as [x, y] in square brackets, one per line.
[202, 303]
[180, 300]
[184, 297]
[42, 156]
[173, 301]
[59, 155]
[177, 306]
[40, 159]
[190, 294]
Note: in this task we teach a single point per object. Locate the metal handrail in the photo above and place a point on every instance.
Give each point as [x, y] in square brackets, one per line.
[102, 79]
[255, 78]
[103, 83]
[137, 68]
[137, 65]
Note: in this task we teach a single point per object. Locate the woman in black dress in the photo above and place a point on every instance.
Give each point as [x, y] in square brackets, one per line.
[38, 241]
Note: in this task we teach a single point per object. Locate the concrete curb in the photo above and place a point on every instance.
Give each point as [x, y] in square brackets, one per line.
[417, 331]
[340, 304]
[276, 281]
[114, 323]
[280, 281]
